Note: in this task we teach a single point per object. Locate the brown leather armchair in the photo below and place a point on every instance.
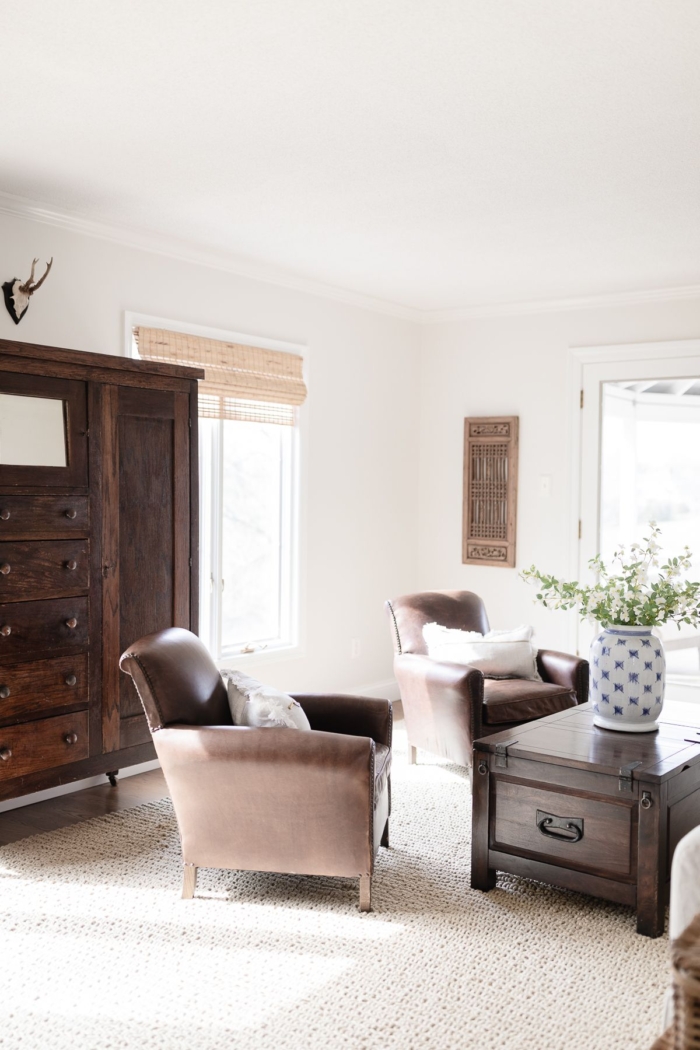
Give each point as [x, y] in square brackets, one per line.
[287, 800]
[448, 706]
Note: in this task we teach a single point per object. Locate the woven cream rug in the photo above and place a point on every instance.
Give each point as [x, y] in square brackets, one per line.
[97, 951]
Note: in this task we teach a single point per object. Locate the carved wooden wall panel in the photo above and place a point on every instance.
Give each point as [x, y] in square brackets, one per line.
[490, 490]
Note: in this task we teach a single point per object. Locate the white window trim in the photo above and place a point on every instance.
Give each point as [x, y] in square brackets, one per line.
[296, 649]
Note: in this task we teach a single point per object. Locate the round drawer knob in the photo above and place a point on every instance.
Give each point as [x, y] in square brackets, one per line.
[5, 753]
[4, 515]
[72, 622]
[70, 513]
[4, 692]
[5, 568]
[6, 631]
[72, 565]
[71, 738]
[70, 679]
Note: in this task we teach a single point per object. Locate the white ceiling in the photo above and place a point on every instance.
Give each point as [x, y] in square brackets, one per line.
[440, 155]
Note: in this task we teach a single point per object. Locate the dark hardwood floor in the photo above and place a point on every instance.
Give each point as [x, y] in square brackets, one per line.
[81, 805]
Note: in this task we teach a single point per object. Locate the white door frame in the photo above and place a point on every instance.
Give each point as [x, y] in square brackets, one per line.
[652, 360]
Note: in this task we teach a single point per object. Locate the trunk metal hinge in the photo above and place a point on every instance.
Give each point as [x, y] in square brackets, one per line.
[502, 754]
[625, 781]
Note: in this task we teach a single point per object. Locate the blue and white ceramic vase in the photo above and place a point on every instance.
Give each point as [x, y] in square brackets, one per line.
[628, 672]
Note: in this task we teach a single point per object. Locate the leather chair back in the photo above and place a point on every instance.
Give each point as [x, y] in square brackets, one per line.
[177, 680]
[409, 613]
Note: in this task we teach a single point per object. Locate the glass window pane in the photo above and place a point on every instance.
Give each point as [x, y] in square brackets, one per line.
[251, 539]
[650, 471]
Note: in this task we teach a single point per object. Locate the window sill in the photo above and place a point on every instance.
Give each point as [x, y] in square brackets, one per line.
[262, 657]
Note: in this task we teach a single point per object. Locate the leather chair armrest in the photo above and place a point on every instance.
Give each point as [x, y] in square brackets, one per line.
[271, 799]
[356, 715]
[207, 747]
[564, 669]
[440, 700]
[469, 681]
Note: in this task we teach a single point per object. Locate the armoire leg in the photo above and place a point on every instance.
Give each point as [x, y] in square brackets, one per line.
[412, 755]
[365, 892]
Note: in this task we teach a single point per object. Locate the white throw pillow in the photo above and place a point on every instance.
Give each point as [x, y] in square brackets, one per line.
[498, 654]
[261, 706]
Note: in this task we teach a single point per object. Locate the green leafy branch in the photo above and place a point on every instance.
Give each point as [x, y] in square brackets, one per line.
[642, 592]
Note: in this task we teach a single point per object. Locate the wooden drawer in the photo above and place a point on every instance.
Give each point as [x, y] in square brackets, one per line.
[44, 744]
[43, 517]
[43, 685]
[27, 627]
[605, 845]
[43, 569]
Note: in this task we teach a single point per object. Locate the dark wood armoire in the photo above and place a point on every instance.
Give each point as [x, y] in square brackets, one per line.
[98, 546]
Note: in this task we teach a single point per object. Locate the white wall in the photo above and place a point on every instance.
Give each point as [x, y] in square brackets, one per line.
[515, 366]
[359, 530]
[383, 458]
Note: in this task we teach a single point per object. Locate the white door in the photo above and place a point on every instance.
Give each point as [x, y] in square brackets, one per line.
[637, 443]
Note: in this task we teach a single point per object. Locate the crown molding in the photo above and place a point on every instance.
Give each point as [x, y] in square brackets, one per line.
[548, 306]
[191, 252]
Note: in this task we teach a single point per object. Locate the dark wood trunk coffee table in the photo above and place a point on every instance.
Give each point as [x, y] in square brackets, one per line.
[564, 802]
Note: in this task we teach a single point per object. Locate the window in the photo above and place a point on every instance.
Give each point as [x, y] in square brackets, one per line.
[247, 489]
[248, 455]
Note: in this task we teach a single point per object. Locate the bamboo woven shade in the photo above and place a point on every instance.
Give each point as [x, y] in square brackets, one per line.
[211, 407]
[241, 382]
[490, 490]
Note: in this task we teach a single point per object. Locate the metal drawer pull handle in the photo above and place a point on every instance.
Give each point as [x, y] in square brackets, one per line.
[5, 753]
[72, 565]
[71, 513]
[70, 679]
[72, 622]
[4, 691]
[71, 738]
[5, 568]
[6, 631]
[5, 515]
[567, 829]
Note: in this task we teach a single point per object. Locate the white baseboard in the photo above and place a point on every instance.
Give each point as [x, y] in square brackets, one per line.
[76, 785]
[388, 690]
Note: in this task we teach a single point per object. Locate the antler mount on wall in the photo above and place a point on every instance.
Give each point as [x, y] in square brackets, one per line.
[18, 293]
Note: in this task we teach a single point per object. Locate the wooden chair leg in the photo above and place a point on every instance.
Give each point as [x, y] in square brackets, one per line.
[365, 892]
[385, 836]
[412, 755]
[189, 881]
